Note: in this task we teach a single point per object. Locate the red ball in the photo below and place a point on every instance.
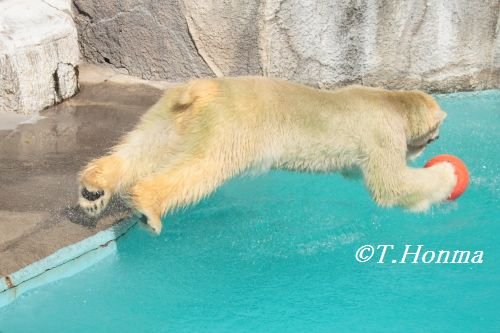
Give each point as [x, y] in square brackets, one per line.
[460, 171]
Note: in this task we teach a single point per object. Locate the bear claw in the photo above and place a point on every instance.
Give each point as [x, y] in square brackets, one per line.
[91, 196]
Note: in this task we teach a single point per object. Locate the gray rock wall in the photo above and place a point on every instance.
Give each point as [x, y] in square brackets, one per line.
[433, 45]
[39, 55]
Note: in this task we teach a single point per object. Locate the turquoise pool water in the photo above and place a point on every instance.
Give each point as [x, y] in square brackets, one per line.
[276, 253]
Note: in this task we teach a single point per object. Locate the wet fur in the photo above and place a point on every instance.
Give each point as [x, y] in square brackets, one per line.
[200, 134]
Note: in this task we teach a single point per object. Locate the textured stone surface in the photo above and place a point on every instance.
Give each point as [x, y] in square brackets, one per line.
[142, 38]
[434, 45]
[39, 162]
[38, 54]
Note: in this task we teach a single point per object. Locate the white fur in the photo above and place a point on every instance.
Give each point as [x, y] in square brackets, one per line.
[204, 132]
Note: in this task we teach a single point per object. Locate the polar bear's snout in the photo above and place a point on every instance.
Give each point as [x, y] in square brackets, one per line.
[91, 196]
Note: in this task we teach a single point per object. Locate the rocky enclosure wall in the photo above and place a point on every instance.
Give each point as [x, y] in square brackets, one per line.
[434, 45]
[39, 54]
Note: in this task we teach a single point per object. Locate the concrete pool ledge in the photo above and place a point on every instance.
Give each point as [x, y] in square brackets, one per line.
[63, 263]
[43, 233]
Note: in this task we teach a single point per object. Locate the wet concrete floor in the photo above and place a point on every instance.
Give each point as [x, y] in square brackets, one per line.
[39, 163]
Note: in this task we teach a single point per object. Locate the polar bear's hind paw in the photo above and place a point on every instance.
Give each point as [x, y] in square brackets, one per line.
[93, 201]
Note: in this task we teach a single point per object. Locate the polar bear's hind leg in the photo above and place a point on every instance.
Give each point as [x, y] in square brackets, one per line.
[177, 186]
[98, 182]
[167, 130]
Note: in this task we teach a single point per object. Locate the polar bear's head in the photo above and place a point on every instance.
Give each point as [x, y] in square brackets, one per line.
[423, 118]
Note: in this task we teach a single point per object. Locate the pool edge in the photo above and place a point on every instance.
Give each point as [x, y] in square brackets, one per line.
[63, 263]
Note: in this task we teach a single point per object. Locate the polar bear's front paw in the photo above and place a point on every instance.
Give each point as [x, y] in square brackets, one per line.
[438, 181]
[447, 180]
[440, 184]
[419, 207]
[92, 200]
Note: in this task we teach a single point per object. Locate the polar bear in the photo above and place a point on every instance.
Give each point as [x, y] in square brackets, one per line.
[200, 134]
